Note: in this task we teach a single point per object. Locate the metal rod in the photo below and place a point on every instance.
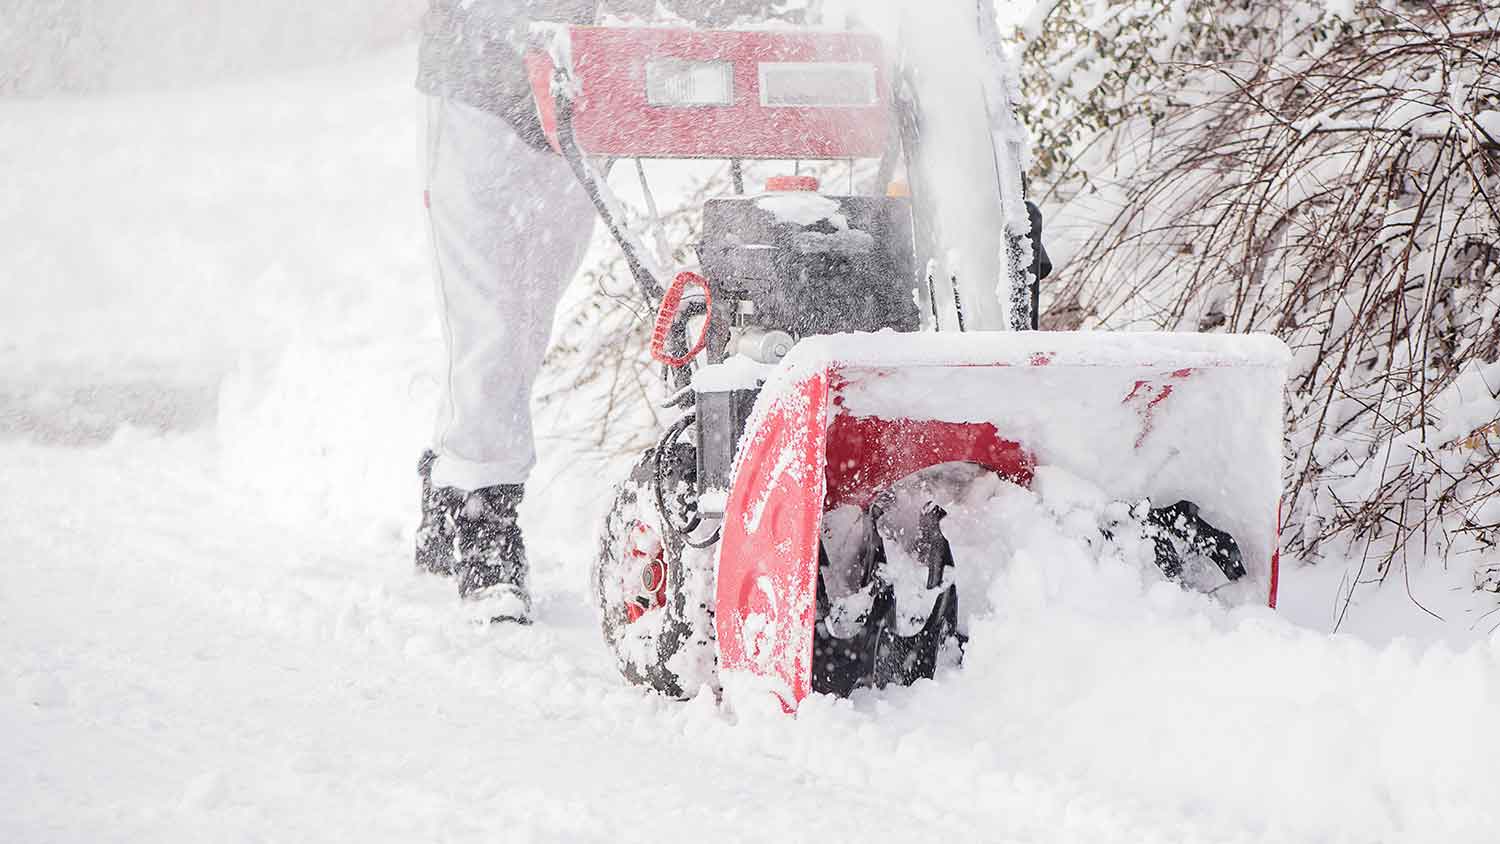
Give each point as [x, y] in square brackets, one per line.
[567, 143]
[663, 249]
[958, 305]
[931, 276]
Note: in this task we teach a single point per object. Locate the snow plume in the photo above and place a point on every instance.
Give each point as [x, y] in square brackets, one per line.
[970, 152]
[1324, 176]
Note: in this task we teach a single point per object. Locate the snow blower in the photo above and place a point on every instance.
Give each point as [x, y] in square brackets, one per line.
[837, 356]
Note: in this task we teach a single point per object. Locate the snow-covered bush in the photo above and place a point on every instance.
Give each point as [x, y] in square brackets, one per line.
[1329, 172]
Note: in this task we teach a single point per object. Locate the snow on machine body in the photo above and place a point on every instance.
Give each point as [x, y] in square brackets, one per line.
[781, 535]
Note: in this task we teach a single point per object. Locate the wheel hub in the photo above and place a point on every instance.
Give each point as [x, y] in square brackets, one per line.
[645, 577]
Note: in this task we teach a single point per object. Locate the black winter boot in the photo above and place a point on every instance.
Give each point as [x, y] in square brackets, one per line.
[437, 533]
[491, 563]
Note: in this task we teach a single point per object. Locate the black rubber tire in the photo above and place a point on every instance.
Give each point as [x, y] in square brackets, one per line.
[676, 655]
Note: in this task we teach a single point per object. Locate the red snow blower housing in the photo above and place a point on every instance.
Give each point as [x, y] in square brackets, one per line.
[787, 531]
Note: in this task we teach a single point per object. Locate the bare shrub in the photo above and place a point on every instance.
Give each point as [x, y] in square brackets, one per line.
[1336, 181]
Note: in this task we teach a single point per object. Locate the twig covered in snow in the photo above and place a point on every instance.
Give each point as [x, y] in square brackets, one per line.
[1329, 177]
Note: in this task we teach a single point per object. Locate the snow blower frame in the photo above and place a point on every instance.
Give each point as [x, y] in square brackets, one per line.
[715, 564]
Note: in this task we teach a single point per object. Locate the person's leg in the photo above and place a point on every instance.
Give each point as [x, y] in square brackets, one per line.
[509, 226]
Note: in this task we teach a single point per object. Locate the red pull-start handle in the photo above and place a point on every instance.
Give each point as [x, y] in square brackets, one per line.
[667, 314]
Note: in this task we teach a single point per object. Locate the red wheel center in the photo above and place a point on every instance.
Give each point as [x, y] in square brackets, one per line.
[654, 576]
[645, 556]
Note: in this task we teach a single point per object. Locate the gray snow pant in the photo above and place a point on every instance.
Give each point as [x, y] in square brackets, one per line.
[510, 226]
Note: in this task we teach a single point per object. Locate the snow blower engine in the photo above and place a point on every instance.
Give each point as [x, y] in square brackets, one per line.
[842, 361]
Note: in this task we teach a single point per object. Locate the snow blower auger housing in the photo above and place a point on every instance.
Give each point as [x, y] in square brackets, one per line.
[784, 535]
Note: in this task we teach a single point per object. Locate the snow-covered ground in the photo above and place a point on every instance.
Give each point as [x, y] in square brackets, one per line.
[216, 357]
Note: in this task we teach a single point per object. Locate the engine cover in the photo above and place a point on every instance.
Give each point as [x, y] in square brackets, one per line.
[813, 264]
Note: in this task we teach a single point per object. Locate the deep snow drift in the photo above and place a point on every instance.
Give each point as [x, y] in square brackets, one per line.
[209, 629]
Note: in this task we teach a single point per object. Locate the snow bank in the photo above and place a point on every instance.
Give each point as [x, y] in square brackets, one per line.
[1094, 695]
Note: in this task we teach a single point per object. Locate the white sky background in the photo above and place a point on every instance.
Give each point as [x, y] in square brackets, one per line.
[92, 45]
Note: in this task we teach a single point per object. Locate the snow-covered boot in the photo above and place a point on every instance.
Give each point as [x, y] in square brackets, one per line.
[491, 564]
[436, 532]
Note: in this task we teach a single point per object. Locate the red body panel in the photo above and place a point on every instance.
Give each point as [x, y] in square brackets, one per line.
[770, 533]
[866, 454]
[807, 455]
[613, 118]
